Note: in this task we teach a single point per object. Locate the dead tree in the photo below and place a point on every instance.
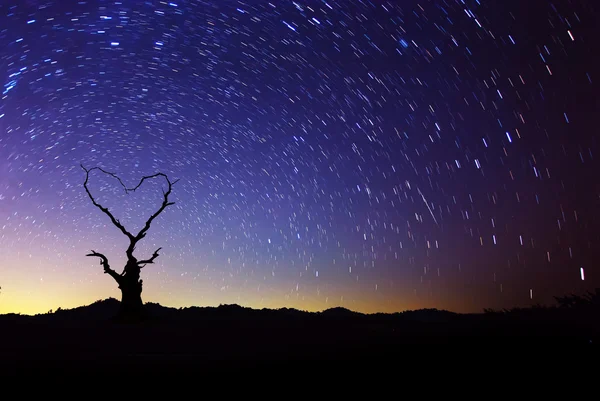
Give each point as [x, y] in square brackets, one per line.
[129, 280]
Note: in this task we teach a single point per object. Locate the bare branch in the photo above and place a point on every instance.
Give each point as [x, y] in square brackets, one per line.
[104, 263]
[165, 203]
[133, 240]
[149, 177]
[151, 260]
[116, 222]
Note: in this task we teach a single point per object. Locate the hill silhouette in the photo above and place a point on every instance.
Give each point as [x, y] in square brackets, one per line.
[236, 337]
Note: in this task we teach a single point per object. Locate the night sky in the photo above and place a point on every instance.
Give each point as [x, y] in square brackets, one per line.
[375, 155]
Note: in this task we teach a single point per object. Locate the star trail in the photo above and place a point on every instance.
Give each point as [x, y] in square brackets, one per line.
[375, 155]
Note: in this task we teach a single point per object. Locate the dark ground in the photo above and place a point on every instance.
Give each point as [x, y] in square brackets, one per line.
[230, 337]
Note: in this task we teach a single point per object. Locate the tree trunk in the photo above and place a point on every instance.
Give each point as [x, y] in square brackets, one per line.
[132, 307]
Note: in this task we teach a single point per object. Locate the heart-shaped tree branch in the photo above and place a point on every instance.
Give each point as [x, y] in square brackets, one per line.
[133, 239]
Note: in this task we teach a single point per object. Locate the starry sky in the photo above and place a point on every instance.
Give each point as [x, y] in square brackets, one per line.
[375, 155]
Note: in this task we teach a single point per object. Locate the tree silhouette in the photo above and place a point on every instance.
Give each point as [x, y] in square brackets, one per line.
[129, 280]
[589, 300]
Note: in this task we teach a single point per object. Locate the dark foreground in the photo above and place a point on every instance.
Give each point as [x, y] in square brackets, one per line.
[235, 338]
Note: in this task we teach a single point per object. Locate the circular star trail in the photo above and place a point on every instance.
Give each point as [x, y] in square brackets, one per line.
[379, 156]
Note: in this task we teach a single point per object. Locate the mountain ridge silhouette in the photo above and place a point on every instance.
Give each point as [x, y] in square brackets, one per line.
[107, 308]
[235, 337]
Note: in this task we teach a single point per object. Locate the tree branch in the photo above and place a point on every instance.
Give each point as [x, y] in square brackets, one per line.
[104, 263]
[133, 240]
[151, 260]
[165, 203]
[116, 222]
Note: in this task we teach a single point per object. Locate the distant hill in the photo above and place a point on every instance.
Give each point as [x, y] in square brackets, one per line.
[235, 337]
[107, 308]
